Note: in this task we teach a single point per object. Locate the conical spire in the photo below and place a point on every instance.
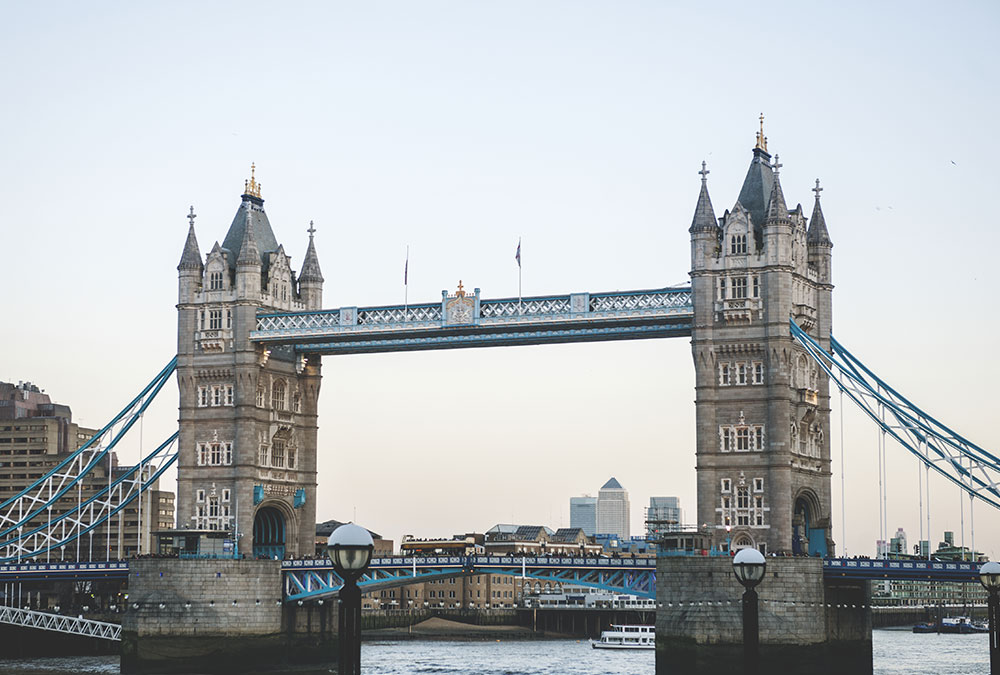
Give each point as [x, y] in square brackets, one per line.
[818, 233]
[249, 254]
[776, 209]
[191, 258]
[310, 266]
[704, 215]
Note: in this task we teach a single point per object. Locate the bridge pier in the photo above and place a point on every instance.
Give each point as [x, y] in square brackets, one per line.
[219, 616]
[807, 624]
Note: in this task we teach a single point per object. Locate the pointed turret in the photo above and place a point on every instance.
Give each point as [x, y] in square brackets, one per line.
[191, 257]
[248, 263]
[704, 215]
[311, 278]
[249, 254]
[776, 207]
[818, 234]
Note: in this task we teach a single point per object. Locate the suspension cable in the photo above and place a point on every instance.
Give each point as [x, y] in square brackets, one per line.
[843, 493]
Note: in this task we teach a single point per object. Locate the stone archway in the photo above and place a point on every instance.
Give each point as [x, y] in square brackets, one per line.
[269, 533]
[808, 536]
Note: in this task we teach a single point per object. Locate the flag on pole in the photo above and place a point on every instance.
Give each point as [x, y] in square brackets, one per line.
[406, 268]
[517, 256]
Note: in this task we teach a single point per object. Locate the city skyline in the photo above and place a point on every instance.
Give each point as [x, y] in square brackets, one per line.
[460, 132]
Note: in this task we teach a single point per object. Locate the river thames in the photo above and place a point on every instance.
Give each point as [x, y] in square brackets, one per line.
[897, 652]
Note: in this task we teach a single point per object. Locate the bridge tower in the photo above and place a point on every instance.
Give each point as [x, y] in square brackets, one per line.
[762, 405]
[247, 453]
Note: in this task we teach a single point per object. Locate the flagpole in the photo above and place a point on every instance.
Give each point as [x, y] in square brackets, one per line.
[519, 311]
[406, 283]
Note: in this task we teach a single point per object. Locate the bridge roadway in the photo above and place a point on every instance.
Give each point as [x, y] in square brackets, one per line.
[466, 320]
[311, 579]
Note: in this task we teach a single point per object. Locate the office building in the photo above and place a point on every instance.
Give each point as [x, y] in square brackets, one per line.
[613, 510]
[583, 514]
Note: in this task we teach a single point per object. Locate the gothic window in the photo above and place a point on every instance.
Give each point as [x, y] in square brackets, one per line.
[742, 439]
[229, 394]
[727, 485]
[263, 454]
[215, 281]
[215, 319]
[201, 320]
[756, 286]
[297, 403]
[758, 438]
[227, 454]
[278, 454]
[739, 287]
[758, 510]
[225, 495]
[216, 396]
[200, 496]
[291, 458]
[793, 433]
[738, 244]
[724, 376]
[758, 373]
[727, 508]
[722, 288]
[229, 318]
[741, 373]
[758, 484]
[202, 397]
[742, 505]
[278, 395]
[202, 454]
[216, 454]
[260, 397]
[727, 439]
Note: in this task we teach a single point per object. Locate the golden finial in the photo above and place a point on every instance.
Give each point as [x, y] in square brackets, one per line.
[252, 187]
[460, 293]
[761, 138]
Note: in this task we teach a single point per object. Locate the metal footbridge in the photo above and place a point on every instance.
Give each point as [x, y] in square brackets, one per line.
[71, 625]
[465, 320]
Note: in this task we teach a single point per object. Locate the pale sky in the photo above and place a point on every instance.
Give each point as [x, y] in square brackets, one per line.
[458, 127]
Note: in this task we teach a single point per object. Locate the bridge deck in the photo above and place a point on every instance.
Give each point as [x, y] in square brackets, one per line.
[461, 320]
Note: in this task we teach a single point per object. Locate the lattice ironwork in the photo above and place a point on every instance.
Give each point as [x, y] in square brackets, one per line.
[300, 321]
[31, 508]
[395, 315]
[616, 302]
[312, 579]
[967, 465]
[489, 309]
[59, 623]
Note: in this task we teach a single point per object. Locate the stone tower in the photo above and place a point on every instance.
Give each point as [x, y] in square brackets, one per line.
[247, 454]
[762, 405]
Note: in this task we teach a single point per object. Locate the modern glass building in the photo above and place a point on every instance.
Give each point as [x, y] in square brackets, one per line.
[583, 514]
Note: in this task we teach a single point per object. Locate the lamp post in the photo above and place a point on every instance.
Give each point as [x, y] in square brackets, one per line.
[749, 566]
[989, 577]
[350, 550]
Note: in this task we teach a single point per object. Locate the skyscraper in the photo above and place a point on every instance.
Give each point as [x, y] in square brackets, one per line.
[663, 515]
[612, 510]
[583, 514]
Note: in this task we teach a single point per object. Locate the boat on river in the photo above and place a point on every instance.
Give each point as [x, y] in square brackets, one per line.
[626, 637]
[952, 624]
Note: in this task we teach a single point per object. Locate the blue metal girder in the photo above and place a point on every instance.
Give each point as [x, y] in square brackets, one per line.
[918, 570]
[461, 321]
[313, 579]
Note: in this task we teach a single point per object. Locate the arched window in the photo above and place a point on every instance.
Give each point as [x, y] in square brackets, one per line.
[738, 244]
[278, 395]
[215, 281]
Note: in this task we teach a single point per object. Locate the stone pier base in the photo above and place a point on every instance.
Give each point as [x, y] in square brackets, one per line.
[221, 616]
[807, 625]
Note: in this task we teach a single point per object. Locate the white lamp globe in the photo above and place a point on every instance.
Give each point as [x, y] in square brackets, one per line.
[989, 576]
[350, 548]
[749, 566]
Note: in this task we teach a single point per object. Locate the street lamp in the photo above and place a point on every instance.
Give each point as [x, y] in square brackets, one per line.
[989, 577]
[749, 566]
[350, 550]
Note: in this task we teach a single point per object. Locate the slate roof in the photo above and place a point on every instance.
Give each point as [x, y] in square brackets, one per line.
[612, 484]
[755, 196]
[568, 534]
[704, 214]
[325, 529]
[817, 233]
[261, 226]
[191, 258]
[310, 264]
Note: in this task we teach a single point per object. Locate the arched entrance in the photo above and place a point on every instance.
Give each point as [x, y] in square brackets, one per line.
[269, 533]
[806, 538]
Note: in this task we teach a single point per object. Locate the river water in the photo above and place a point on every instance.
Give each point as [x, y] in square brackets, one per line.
[896, 652]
